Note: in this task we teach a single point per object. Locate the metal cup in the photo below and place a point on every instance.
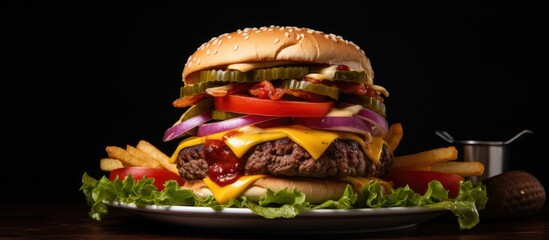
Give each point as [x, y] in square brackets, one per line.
[494, 155]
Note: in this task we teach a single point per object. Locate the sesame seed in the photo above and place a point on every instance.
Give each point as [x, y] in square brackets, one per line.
[229, 37]
[208, 52]
[198, 62]
[287, 34]
[247, 37]
[334, 37]
[276, 41]
[215, 51]
[235, 47]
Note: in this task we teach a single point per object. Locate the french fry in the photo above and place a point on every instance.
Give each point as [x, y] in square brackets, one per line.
[124, 156]
[148, 160]
[394, 135]
[464, 169]
[155, 153]
[109, 164]
[425, 158]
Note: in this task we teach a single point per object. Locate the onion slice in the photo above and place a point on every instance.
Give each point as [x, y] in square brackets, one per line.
[215, 127]
[347, 124]
[380, 126]
[184, 127]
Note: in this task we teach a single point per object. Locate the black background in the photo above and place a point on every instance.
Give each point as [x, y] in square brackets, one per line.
[87, 74]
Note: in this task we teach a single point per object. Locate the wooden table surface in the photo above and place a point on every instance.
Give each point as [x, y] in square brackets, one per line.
[71, 221]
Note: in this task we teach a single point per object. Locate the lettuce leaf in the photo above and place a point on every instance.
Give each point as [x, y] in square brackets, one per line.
[140, 193]
[285, 203]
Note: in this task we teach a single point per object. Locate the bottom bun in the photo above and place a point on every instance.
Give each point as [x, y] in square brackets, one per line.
[316, 190]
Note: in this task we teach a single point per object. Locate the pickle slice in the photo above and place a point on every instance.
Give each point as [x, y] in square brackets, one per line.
[220, 115]
[202, 106]
[365, 101]
[317, 88]
[197, 88]
[253, 76]
[279, 73]
[225, 76]
[350, 76]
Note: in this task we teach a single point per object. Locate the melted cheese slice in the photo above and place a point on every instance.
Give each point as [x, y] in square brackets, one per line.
[314, 141]
[223, 194]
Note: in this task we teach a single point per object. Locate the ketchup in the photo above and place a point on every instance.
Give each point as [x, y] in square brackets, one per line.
[342, 67]
[224, 166]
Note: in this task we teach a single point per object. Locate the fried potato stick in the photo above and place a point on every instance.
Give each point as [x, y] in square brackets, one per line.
[464, 169]
[425, 158]
[394, 135]
[109, 164]
[155, 153]
[148, 160]
[124, 156]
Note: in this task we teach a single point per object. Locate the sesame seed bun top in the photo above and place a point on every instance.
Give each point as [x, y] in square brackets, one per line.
[274, 43]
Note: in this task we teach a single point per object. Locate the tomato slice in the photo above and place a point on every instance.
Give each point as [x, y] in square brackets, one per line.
[267, 107]
[419, 180]
[160, 175]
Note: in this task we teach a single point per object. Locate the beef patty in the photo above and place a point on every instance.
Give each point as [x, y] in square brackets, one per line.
[285, 158]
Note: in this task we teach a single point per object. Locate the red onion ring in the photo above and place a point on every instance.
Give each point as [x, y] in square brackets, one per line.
[184, 127]
[380, 126]
[347, 124]
[211, 128]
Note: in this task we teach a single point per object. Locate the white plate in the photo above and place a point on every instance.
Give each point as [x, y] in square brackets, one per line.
[317, 221]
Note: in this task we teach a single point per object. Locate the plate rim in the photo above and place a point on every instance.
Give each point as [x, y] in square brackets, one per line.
[316, 221]
[178, 209]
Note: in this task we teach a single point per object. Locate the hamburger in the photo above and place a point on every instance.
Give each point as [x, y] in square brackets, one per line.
[279, 109]
[280, 120]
